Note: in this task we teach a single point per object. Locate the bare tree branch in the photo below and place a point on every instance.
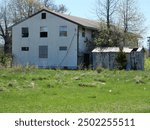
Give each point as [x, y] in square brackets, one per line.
[106, 9]
[131, 20]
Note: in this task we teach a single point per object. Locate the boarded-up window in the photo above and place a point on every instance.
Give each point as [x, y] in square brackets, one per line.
[43, 51]
[43, 31]
[63, 31]
[25, 32]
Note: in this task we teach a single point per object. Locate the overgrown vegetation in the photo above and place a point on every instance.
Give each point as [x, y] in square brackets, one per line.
[5, 60]
[108, 37]
[121, 60]
[120, 21]
[27, 89]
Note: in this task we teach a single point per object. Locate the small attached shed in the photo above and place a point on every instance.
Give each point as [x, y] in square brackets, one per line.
[137, 59]
[106, 57]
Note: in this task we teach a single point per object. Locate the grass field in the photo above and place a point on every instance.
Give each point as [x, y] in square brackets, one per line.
[36, 90]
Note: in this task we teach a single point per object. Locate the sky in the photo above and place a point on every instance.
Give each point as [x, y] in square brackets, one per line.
[85, 8]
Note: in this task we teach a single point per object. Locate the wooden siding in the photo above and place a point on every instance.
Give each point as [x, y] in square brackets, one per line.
[135, 59]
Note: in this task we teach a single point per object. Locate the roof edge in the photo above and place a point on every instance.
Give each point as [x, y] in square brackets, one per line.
[53, 13]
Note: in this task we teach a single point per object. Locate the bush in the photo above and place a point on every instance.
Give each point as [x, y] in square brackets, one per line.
[147, 64]
[5, 60]
[121, 60]
[99, 69]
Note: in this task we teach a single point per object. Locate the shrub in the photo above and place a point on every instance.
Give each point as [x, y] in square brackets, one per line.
[99, 69]
[5, 60]
[121, 60]
[147, 64]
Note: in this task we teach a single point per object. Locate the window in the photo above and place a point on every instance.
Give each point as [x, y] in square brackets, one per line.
[43, 31]
[43, 16]
[62, 48]
[25, 48]
[83, 32]
[92, 34]
[43, 51]
[25, 32]
[43, 34]
[63, 31]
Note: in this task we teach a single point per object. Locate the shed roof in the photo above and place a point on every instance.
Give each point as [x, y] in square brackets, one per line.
[140, 49]
[111, 49]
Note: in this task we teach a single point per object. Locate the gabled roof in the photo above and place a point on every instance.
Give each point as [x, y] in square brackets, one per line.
[77, 20]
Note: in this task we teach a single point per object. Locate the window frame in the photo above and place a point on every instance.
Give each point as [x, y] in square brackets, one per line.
[43, 52]
[24, 48]
[43, 15]
[92, 34]
[43, 32]
[63, 48]
[83, 32]
[63, 32]
[25, 32]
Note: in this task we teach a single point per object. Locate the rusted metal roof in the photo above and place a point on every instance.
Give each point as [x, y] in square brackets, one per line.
[112, 49]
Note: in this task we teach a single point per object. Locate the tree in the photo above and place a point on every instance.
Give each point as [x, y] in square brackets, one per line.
[105, 11]
[108, 38]
[4, 31]
[50, 4]
[121, 59]
[131, 20]
[21, 9]
[123, 15]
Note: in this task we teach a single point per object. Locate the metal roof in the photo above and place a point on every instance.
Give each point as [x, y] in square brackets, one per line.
[111, 49]
[139, 49]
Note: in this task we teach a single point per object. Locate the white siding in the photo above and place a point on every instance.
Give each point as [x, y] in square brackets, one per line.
[56, 58]
[82, 44]
[84, 48]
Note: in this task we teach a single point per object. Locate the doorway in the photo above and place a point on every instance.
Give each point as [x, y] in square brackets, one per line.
[86, 60]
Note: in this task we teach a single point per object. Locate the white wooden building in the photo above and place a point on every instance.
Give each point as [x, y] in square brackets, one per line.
[49, 40]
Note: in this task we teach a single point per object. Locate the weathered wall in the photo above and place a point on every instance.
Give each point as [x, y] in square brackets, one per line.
[135, 60]
[56, 58]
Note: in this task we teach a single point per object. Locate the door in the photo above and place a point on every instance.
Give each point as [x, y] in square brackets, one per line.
[86, 60]
[43, 56]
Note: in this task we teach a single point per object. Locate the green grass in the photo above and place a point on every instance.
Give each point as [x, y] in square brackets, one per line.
[37, 90]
